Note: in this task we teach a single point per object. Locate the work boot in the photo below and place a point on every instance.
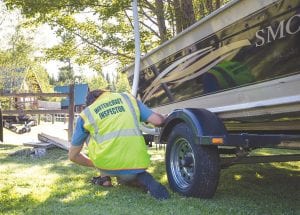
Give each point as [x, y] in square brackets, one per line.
[156, 189]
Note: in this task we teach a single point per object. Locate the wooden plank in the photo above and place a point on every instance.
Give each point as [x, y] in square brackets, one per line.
[54, 140]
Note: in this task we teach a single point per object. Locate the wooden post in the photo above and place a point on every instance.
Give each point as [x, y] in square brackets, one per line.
[71, 112]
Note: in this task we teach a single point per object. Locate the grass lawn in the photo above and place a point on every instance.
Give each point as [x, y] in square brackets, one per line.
[53, 185]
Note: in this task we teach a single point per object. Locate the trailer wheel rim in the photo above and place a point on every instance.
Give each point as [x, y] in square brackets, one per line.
[182, 163]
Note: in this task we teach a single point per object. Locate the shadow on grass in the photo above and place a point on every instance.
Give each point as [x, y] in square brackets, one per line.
[270, 175]
[259, 188]
[273, 185]
[243, 189]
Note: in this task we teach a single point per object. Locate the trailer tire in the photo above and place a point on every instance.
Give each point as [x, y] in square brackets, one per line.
[193, 170]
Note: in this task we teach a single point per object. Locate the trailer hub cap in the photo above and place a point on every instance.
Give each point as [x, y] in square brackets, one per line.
[182, 163]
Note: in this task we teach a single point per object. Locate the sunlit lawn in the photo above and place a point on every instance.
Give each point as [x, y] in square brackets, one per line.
[53, 185]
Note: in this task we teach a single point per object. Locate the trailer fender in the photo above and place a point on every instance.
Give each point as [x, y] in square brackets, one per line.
[202, 122]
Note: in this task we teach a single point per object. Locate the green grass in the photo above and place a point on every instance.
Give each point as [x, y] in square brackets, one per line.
[54, 185]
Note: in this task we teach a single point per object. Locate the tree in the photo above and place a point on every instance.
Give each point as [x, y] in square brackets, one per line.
[16, 60]
[122, 84]
[184, 14]
[38, 78]
[66, 75]
[17, 65]
[205, 7]
[97, 82]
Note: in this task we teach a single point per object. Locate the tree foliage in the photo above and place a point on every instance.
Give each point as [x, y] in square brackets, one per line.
[16, 61]
[104, 28]
[93, 32]
[17, 66]
[66, 76]
[122, 84]
[97, 82]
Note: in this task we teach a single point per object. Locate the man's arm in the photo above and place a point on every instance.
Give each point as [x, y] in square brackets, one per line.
[148, 115]
[77, 143]
[76, 156]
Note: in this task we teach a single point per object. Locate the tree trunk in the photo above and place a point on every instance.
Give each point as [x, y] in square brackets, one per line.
[219, 3]
[159, 5]
[188, 13]
[171, 17]
[178, 16]
[209, 6]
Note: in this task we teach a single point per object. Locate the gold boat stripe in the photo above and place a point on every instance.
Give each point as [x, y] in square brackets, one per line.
[204, 61]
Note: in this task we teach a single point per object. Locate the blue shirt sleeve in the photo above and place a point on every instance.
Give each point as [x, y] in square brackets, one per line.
[145, 111]
[80, 134]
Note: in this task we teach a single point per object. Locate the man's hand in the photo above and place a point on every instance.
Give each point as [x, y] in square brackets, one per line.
[156, 119]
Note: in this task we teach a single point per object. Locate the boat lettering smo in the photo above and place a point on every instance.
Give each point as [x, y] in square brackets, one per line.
[284, 28]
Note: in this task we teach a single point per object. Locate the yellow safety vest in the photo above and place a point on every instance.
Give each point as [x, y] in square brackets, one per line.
[115, 142]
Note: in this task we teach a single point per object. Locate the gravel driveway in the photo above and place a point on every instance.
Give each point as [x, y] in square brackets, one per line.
[58, 129]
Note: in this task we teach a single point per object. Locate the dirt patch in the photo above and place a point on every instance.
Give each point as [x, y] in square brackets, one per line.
[58, 129]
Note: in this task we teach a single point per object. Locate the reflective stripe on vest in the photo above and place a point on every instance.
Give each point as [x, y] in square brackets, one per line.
[136, 122]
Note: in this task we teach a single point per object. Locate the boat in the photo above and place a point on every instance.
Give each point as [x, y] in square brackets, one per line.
[245, 68]
[230, 83]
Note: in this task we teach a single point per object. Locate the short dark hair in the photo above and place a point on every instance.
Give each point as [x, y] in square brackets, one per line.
[93, 95]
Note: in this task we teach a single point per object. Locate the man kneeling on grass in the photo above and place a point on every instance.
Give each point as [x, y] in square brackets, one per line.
[110, 127]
